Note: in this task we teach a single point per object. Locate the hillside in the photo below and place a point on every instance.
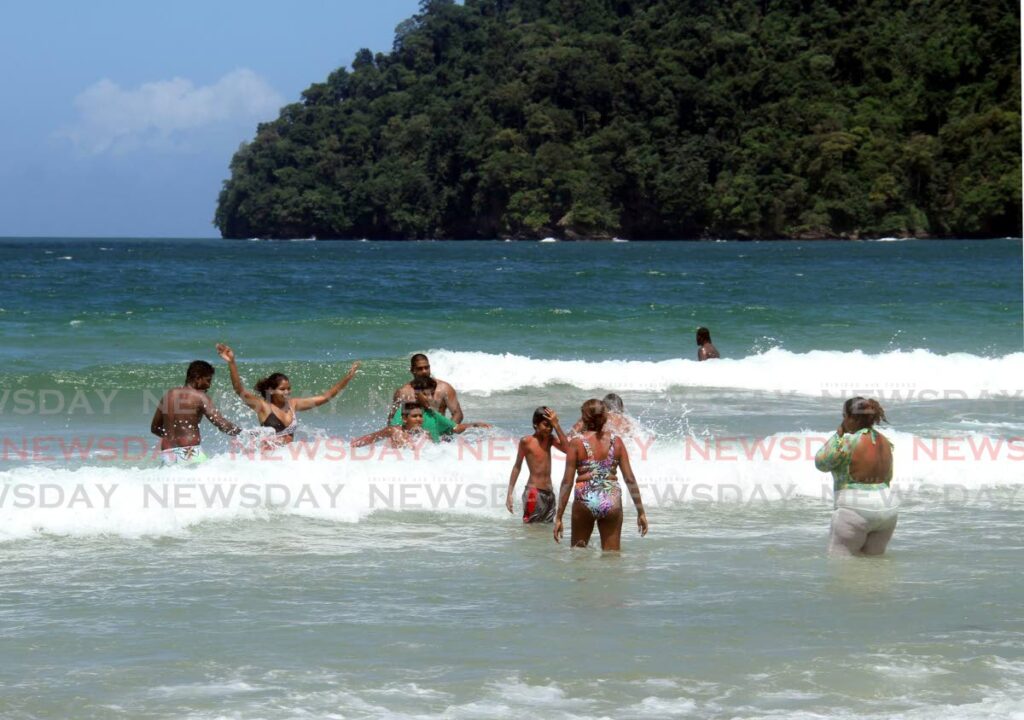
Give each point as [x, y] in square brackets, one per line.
[653, 119]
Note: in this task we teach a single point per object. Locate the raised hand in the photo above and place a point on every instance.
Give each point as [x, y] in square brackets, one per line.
[226, 353]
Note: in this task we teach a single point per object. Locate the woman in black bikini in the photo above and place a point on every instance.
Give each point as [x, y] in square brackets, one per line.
[272, 401]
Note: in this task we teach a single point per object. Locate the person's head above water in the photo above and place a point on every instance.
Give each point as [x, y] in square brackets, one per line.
[540, 419]
[412, 415]
[594, 413]
[274, 385]
[424, 388]
[614, 403]
[419, 366]
[199, 374]
[860, 413]
[703, 335]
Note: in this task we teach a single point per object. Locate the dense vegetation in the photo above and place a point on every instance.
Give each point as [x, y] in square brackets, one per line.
[653, 119]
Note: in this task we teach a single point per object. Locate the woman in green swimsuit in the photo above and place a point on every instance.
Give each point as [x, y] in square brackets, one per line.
[860, 460]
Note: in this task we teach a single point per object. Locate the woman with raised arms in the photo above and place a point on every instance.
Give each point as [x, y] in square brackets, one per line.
[272, 401]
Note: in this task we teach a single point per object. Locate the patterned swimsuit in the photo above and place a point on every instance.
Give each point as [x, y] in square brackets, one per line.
[600, 494]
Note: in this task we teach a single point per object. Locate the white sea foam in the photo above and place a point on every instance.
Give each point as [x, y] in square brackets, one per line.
[329, 482]
[918, 375]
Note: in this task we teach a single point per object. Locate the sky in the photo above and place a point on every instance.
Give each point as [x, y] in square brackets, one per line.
[120, 117]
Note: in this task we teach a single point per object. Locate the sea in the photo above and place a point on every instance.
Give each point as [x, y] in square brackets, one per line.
[325, 581]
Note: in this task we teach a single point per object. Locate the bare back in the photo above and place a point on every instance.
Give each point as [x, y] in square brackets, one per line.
[177, 417]
[707, 351]
[871, 462]
[181, 410]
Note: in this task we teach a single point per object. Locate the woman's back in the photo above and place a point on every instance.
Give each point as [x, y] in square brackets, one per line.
[871, 458]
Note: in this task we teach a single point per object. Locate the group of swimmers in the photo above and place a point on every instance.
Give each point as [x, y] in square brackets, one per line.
[857, 455]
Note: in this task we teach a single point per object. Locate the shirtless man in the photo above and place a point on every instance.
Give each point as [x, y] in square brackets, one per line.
[177, 417]
[410, 432]
[538, 498]
[444, 396]
[705, 349]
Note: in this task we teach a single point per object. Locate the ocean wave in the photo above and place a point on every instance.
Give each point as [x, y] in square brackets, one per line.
[915, 376]
[332, 482]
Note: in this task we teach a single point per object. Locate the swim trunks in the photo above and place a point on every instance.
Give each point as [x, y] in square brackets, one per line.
[189, 455]
[600, 494]
[538, 505]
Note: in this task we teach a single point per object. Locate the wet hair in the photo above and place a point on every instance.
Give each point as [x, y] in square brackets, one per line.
[594, 414]
[865, 412]
[423, 384]
[198, 369]
[614, 403]
[703, 335]
[414, 358]
[539, 414]
[264, 386]
[409, 407]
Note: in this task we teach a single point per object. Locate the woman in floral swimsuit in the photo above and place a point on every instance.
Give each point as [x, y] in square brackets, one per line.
[595, 455]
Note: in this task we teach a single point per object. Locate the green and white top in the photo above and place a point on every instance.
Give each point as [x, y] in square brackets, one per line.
[835, 456]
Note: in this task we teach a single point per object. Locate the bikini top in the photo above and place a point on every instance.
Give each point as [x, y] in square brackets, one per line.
[280, 429]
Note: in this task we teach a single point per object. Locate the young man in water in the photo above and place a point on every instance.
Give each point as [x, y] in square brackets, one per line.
[445, 399]
[410, 432]
[177, 417]
[705, 349]
[538, 499]
[434, 423]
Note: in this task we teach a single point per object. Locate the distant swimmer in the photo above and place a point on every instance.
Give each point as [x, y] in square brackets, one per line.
[434, 423]
[177, 417]
[272, 401]
[445, 399]
[617, 420]
[538, 497]
[705, 349]
[860, 460]
[410, 432]
[597, 499]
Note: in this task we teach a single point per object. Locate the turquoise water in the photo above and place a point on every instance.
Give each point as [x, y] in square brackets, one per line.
[74, 304]
[399, 586]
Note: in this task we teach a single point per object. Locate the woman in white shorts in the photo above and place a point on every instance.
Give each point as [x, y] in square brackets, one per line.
[860, 460]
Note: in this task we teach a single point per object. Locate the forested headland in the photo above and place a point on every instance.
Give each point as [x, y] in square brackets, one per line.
[653, 119]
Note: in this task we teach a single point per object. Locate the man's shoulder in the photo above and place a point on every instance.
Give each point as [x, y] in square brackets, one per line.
[183, 393]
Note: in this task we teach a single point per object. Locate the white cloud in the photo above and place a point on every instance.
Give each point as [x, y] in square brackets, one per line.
[165, 113]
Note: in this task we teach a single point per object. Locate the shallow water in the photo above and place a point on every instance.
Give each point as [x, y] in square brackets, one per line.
[399, 586]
